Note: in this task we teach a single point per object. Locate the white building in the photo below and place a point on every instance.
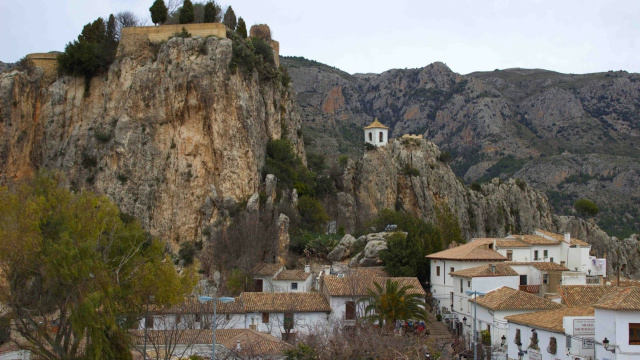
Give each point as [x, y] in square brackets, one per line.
[376, 134]
[345, 291]
[617, 319]
[561, 334]
[505, 301]
[293, 281]
[263, 275]
[474, 253]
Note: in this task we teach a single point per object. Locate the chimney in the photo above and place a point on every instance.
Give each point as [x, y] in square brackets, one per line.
[307, 268]
[567, 238]
[493, 268]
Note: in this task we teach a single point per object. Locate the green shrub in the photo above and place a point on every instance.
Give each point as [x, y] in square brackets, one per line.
[262, 48]
[237, 282]
[369, 147]
[408, 170]
[521, 184]
[5, 329]
[322, 245]
[438, 317]
[476, 187]
[285, 78]
[343, 160]
[182, 34]
[242, 28]
[586, 208]
[445, 157]
[312, 214]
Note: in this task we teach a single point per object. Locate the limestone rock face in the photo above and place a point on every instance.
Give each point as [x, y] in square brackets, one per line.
[165, 136]
[343, 249]
[407, 175]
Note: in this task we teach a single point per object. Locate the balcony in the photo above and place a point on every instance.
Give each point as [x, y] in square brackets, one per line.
[532, 289]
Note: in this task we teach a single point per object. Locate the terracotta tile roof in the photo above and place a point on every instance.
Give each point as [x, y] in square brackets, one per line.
[506, 298]
[584, 295]
[501, 269]
[536, 240]
[560, 238]
[551, 319]
[251, 342]
[376, 125]
[542, 266]
[264, 269]
[284, 302]
[623, 299]
[477, 249]
[510, 243]
[292, 275]
[357, 284]
[191, 305]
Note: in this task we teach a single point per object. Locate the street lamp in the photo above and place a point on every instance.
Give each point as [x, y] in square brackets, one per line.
[464, 320]
[475, 294]
[504, 340]
[521, 354]
[605, 343]
[204, 299]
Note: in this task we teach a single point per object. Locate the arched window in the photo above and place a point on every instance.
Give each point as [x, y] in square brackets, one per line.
[381, 136]
[370, 136]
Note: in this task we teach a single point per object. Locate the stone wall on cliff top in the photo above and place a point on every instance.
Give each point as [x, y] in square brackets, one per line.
[169, 133]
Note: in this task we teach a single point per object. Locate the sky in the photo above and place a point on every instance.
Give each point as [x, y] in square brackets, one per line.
[374, 36]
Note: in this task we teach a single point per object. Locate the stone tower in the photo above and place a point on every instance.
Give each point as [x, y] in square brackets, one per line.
[376, 134]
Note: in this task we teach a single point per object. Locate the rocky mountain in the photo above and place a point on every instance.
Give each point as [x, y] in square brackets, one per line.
[571, 136]
[170, 133]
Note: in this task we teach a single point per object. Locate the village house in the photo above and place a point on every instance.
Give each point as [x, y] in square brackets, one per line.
[617, 325]
[276, 278]
[442, 264]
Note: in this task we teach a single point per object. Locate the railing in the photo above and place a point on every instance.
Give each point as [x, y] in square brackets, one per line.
[532, 289]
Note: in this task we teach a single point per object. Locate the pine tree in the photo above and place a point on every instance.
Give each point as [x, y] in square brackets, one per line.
[187, 16]
[229, 19]
[209, 12]
[159, 12]
[242, 28]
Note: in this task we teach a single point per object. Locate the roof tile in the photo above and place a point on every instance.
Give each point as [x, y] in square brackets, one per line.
[357, 284]
[292, 275]
[584, 295]
[476, 249]
[623, 299]
[501, 269]
[551, 319]
[506, 298]
[284, 302]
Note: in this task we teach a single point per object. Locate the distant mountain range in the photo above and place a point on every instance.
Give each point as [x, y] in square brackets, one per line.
[572, 136]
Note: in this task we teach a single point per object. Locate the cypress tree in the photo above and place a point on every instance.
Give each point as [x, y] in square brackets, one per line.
[187, 16]
[230, 18]
[159, 12]
[209, 12]
[242, 28]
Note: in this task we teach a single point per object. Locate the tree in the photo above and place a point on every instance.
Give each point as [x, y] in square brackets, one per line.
[159, 12]
[94, 51]
[312, 213]
[71, 264]
[229, 19]
[126, 19]
[586, 208]
[187, 16]
[390, 303]
[402, 257]
[242, 28]
[209, 12]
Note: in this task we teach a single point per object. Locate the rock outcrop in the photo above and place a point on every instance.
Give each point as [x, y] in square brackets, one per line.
[407, 175]
[169, 133]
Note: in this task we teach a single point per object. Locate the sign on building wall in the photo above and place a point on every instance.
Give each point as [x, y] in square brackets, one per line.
[584, 327]
[588, 343]
[534, 355]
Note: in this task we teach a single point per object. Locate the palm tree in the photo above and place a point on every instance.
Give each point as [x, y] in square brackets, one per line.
[390, 303]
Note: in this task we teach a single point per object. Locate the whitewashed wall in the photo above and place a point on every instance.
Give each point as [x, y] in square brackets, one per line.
[614, 325]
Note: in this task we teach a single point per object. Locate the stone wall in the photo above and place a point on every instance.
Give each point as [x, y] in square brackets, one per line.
[48, 62]
[164, 32]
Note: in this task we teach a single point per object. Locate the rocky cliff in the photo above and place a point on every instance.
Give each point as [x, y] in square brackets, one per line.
[407, 175]
[169, 133]
[571, 136]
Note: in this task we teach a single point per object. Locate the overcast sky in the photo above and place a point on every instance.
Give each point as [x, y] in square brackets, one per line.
[374, 36]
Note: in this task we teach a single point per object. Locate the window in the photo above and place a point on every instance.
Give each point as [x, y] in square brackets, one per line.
[545, 278]
[545, 254]
[294, 286]
[381, 136]
[553, 346]
[634, 334]
[469, 283]
[288, 321]
[535, 255]
[551, 259]
[197, 318]
[350, 310]
[437, 270]
[148, 322]
[370, 136]
[178, 318]
[509, 255]
[461, 284]
[265, 318]
[452, 270]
